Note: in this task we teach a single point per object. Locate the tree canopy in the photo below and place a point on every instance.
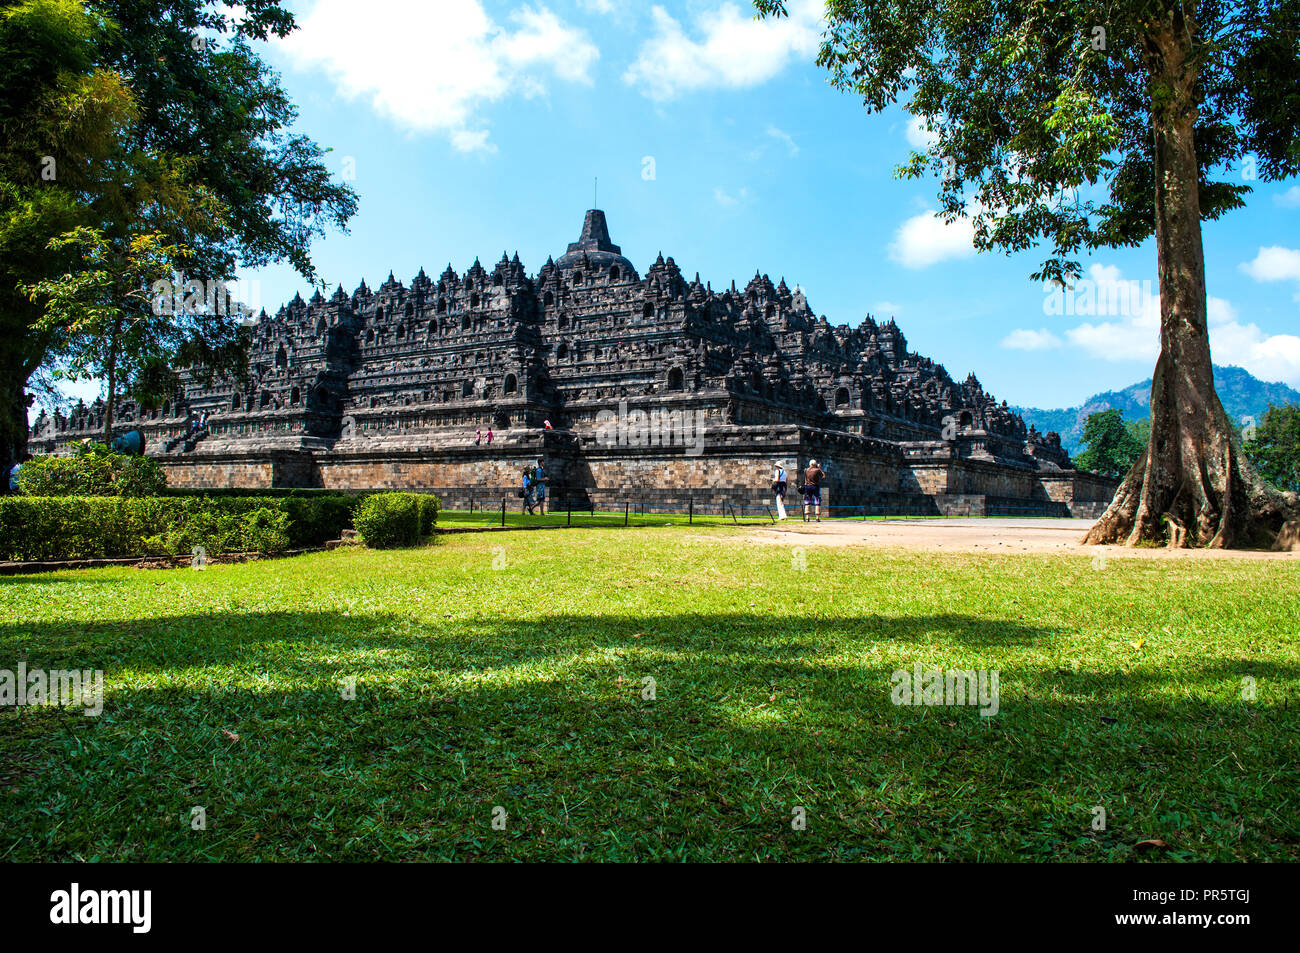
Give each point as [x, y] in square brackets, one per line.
[1112, 446]
[141, 124]
[1041, 110]
[1274, 446]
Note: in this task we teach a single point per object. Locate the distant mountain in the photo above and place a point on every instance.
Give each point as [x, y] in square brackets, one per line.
[1242, 394]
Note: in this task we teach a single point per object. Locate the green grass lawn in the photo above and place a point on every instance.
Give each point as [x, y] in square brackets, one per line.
[506, 670]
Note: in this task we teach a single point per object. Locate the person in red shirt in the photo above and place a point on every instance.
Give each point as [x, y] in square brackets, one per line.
[812, 490]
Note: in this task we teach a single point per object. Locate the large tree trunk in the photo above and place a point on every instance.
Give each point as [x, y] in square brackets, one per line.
[1192, 486]
[21, 351]
[107, 437]
[111, 382]
[13, 425]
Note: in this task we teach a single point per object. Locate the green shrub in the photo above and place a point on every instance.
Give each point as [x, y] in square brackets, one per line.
[279, 492]
[92, 470]
[90, 527]
[268, 521]
[395, 519]
[315, 519]
[139, 477]
[264, 530]
[429, 506]
[315, 515]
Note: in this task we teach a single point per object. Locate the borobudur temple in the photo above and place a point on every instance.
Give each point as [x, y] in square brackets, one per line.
[652, 388]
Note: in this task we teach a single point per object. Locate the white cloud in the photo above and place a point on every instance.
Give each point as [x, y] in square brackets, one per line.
[443, 62]
[467, 140]
[925, 239]
[1129, 340]
[887, 307]
[1134, 334]
[726, 200]
[1135, 306]
[1270, 357]
[1218, 312]
[732, 51]
[1274, 263]
[918, 137]
[1290, 198]
[597, 6]
[785, 137]
[1026, 339]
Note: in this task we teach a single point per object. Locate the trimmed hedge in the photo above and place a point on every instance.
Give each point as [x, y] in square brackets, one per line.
[315, 519]
[93, 470]
[273, 491]
[91, 527]
[396, 519]
[315, 515]
[267, 521]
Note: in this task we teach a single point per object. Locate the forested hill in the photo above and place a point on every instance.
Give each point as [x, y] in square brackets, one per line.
[1242, 394]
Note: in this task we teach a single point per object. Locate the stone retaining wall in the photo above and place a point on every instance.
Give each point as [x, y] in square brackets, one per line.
[734, 464]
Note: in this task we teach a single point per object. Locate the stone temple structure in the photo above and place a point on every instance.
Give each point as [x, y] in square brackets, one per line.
[647, 387]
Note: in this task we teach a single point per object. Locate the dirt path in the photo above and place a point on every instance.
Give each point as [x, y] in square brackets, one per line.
[1061, 536]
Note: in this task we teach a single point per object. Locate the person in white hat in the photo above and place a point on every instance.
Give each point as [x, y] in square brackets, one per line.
[778, 488]
[812, 491]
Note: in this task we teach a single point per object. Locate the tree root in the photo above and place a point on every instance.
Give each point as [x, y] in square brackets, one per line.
[1220, 504]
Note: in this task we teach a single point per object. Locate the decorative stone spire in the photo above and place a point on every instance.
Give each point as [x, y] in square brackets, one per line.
[595, 234]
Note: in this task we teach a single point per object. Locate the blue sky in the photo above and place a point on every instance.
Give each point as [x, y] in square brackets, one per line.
[473, 126]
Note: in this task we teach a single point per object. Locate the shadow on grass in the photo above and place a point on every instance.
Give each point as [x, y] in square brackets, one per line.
[224, 635]
[248, 715]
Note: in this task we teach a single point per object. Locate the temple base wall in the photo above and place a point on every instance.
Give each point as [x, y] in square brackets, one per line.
[733, 464]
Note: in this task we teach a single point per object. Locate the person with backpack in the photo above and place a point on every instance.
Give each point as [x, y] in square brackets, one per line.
[540, 479]
[778, 488]
[812, 490]
[526, 491]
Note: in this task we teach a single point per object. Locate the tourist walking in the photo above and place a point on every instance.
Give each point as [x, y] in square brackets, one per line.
[812, 491]
[489, 437]
[540, 479]
[778, 488]
[478, 437]
[526, 491]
